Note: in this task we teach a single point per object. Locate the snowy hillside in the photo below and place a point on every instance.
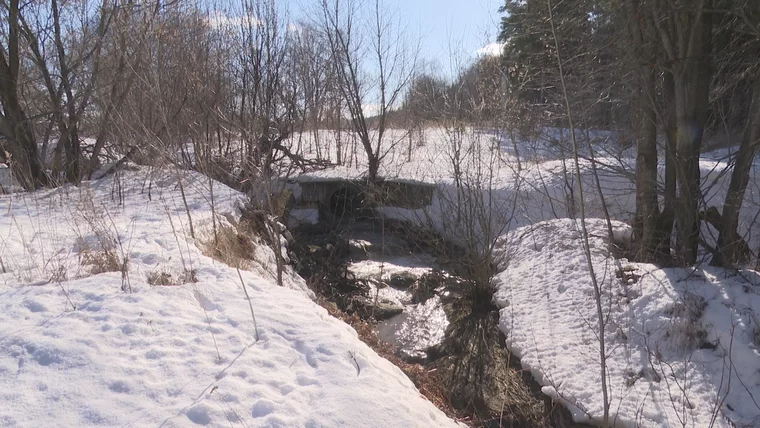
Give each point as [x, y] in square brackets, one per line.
[76, 350]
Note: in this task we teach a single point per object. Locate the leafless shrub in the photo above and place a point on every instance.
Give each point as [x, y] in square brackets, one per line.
[100, 255]
[684, 330]
[101, 261]
[98, 241]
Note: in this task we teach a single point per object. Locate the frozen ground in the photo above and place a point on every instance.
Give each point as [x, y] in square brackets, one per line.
[76, 350]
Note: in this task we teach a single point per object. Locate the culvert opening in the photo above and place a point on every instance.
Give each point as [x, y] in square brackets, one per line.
[346, 202]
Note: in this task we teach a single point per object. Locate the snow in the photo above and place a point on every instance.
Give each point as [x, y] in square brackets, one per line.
[682, 344]
[422, 324]
[491, 49]
[419, 327]
[176, 355]
[304, 215]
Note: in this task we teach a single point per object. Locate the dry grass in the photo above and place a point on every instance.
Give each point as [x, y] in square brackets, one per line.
[98, 240]
[159, 277]
[231, 246]
[684, 330]
[101, 261]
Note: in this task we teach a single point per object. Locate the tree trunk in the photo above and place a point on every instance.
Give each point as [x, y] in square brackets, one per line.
[644, 112]
[25, 161]
[373, 164]
[667, 216]
[692, 86]
[647, 205]
[73, 155]
[728, 238]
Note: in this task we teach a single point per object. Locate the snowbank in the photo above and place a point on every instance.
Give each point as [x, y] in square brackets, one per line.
[175, 355]
[682, 344]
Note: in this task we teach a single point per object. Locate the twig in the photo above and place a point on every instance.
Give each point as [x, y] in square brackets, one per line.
[253, 316]
[586, 248]
[353, 358]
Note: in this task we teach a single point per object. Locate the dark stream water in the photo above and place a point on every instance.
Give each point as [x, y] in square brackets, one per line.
[392, 278]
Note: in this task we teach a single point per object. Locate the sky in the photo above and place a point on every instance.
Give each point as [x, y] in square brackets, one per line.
[461, 27]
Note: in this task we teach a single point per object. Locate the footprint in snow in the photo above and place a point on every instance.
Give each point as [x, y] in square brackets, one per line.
[35, 306]
[119, 386]
[199, 415]
[306, 381]
[205, 302]
[262, 408]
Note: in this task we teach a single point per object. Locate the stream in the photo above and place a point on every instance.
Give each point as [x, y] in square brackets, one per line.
[408, 283]
[407, 280]
[397, 283]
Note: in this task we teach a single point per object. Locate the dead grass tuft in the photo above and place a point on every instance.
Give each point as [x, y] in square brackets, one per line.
[159, 277]
[684, 330]
[98, 242]
[101, 261]
[231, 246]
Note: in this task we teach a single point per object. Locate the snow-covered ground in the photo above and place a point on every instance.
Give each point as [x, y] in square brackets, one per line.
[682, 345]
[77, 350]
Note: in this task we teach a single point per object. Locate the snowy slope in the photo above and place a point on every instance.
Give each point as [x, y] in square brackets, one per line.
[682, 344]
[181, 355]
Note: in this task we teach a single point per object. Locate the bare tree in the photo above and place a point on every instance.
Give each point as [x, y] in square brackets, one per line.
[651, 229]
[684, 35]
[124, 51]
[729, 248]
[68, 66]
[371, 65]
[15, 123]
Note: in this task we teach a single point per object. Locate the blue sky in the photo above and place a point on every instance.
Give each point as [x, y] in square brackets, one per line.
[444, 26]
